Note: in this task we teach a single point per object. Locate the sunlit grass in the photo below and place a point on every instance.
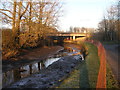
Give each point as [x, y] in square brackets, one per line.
[85, 74]
[72, 81]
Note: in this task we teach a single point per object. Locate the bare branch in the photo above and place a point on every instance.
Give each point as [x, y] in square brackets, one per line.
[6, 10]
[6, 15]
[25, 10]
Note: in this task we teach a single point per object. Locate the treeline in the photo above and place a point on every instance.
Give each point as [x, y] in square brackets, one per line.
[31, 21]
[109, 27]
[81, 30]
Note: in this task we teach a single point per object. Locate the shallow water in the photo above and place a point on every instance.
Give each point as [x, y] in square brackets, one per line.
[17, 74]
[24, 71]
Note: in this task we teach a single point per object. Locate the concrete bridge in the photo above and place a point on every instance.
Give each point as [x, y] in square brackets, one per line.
[71, 36]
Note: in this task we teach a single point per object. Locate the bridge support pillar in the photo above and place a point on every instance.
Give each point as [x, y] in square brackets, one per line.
[73, 37]
[70, 38]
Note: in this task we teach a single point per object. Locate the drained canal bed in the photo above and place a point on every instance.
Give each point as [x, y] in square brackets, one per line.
[42, 74]
[24, 71]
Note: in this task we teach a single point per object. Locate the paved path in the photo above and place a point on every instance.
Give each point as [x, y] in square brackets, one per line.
[113, 60]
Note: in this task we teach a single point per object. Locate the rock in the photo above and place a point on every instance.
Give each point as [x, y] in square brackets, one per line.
[51, 83]
[67, 71]
[72, 65]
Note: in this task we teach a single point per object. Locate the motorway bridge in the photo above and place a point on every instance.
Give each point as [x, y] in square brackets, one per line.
[70, 36]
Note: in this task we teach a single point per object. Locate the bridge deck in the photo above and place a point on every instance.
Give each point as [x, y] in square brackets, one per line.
[70, 34]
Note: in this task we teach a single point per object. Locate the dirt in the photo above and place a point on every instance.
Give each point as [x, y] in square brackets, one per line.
[52, 75]
[30, 56]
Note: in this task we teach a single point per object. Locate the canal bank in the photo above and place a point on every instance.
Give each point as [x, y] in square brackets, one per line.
[30, 56]
[82, 76]
[85, 75]
[63, 63]
[50, 76]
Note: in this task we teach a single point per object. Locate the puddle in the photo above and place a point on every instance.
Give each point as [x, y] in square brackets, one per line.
[50, 61]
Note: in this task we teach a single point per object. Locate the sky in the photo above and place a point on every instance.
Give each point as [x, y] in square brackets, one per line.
[83, 13]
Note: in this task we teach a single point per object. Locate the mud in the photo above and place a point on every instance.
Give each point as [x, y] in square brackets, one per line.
[50, 76]
[30, 56]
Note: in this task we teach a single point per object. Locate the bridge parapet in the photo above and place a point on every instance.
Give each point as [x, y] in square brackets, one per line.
[73, 35]
[70, 34]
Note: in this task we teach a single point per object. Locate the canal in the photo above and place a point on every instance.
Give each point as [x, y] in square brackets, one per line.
[12, 76]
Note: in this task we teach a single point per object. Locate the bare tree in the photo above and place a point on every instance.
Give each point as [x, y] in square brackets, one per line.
[110, 23]
[15, 17]
[39, 18]
[118, 20]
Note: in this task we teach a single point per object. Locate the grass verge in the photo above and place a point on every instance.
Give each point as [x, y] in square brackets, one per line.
[73, 80]
[86, 73]
[90, 68]
[110, 80]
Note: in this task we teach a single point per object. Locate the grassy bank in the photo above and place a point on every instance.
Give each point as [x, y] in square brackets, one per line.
[90, 68]
[86, 73]
[73, 80]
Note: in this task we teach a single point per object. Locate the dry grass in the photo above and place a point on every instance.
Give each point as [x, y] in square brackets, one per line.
[73, 80]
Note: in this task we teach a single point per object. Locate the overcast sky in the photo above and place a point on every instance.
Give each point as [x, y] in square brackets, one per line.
[83, 13]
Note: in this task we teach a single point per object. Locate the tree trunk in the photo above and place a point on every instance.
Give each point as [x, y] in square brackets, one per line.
[30, 16]
[18, 24]
[14, 18]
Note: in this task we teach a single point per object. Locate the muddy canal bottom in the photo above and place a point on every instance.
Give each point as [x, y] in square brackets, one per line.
[24, 71]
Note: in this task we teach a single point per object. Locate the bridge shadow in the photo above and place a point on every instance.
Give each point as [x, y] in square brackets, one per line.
[84, 78]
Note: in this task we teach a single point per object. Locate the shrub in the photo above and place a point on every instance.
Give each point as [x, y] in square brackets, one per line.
[9, 48]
